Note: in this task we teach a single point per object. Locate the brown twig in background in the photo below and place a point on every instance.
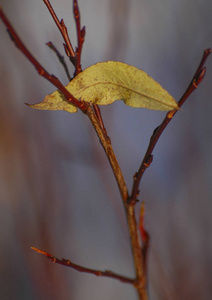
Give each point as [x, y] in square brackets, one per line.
[61, 26]
[60, 58]
[197, 79]
[80, 37]
[68, 263]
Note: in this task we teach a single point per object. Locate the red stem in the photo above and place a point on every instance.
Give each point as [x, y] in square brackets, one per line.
[68, 263]
[197, 79]
[80, 37]
[54, 80]
[61, 26]
[61, 59]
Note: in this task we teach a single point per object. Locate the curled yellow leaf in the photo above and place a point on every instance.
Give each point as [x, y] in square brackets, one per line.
[106, 82]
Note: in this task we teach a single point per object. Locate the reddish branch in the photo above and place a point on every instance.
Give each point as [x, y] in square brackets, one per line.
[61, 59]
[197, 79]
[80, 37]
[61, 26]
[41, 71]
[76, 56]
[68, 263]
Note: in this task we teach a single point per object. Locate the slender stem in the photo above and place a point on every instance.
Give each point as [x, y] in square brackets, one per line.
[197, 79]
[80, 37]
[106, 144]
[68, 263]
[61, 59]
[140, 283]
[80, 40]
[41, 71]
[61, 26]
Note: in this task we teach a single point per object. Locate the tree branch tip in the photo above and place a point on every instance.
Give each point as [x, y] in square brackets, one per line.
[47, 255]
[38, 250]
[148, 161]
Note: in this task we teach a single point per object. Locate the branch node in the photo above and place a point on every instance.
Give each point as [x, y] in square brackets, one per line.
[171, 113]
[199, 77]
[148, 161]
[83, 32]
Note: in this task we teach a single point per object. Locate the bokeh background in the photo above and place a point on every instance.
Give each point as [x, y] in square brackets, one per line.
[57, 191]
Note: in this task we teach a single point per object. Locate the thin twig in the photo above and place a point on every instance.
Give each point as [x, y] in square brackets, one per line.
[60, 58]
[41, 71]
[197, 79]
[61, 26]
[106, 144]
[80, 37]
[68, 263]
[76, 56]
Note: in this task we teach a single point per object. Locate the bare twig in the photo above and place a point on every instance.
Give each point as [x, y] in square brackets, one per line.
[41, 71]
[68, 263]
[80, 37]
[60, 58]
[197, 79]
[75, 56]
[61, 26]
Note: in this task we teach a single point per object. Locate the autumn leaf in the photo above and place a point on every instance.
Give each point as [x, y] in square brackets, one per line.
[106, 82]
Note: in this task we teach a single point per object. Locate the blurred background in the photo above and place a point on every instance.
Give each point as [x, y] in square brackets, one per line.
[57, 191]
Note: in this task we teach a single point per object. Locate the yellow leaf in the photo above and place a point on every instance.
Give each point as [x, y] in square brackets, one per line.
[105, 82]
